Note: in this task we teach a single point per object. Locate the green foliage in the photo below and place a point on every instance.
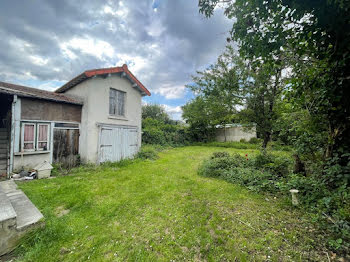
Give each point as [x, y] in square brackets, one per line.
[156, 112]
[134, 213]
[254, 140]
[220, 155]
[197, 115]
[153, 135]
[268, 173]
[219, 163]
[278, 166]
[159, 129]
[148, 152]
[237, 145]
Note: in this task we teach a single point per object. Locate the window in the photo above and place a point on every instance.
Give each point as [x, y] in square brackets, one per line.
[35, 137]
[28, 137]
[42, 137]
[116, 102]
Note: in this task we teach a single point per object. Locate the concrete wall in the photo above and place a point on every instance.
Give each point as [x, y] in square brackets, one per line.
[235, 133]
[29, 160]
[95, 94]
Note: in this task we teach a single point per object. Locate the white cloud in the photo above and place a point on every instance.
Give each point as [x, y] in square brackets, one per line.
[38, 60]
[50, 85]
[174, 111]
[172, 92]
[95, 47]
[121, 11]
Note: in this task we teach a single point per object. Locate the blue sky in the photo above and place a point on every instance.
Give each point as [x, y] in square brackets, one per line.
[46, 43]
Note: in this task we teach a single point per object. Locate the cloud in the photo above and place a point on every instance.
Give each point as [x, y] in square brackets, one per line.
[175, 112]
[171, 92]
[163, 42]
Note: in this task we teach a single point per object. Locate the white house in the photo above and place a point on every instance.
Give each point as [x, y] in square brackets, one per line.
[96, 115]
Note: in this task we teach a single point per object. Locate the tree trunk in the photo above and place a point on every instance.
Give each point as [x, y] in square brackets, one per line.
[267, 137]
[299, 166]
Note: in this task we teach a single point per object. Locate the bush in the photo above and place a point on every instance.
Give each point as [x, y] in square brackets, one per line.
[156, 132]
[153, 136]
[273, 174]
[253, 179]
[219, 164]
[148, 152]
[279, 166]
[237, 145]
[219, 155]
[255, 140]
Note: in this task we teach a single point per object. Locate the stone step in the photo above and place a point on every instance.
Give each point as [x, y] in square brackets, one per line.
[7, 211]
[7, 223]
[27, 213]
[25, 216]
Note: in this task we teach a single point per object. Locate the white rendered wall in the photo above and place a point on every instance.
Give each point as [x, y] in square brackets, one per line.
[95, 94]
[234, 134]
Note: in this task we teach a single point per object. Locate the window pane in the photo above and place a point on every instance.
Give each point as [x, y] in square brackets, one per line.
[120, 103]
[112, 103]
[28, 132]
[116, 102]
[43, 132]
[43, 145]
[28, 145]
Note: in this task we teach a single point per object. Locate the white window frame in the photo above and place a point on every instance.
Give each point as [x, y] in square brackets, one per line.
[48, 138]
[22, 137]
[36, 137]
[124, 101]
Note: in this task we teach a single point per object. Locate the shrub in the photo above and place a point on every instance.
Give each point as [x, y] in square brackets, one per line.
[254, 140]
[217, 166]
[273, 174]
[219, 155]
[279, 166]
[153, 136]
[253, 179]
[243, 140]
[237, 145]
[148, 152]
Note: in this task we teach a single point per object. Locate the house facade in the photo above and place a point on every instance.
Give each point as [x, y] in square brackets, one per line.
[95, 117]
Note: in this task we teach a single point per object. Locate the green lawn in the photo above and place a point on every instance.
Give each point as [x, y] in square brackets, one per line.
[162, 211]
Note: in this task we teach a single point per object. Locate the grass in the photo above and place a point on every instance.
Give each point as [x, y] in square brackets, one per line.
[162, 210]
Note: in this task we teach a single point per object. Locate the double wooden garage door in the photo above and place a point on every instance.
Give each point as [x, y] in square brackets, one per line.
[117, 143]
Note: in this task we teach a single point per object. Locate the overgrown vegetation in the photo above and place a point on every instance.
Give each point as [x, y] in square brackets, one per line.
[286, 69]
[159, 129]
[161, 210]
[273, 174]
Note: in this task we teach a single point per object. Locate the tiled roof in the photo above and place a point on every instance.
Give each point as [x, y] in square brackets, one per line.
[104, 71]
[24, 91]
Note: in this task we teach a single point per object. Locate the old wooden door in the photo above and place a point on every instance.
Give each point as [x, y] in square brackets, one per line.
[117, 143]
[66, 146]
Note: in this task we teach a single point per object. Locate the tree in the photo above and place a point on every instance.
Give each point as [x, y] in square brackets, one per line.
[232, 83]
[156, 112]
[196, 114]
[314, 36]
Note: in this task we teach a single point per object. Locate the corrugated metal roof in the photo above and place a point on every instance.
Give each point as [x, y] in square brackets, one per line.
[24, 91]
